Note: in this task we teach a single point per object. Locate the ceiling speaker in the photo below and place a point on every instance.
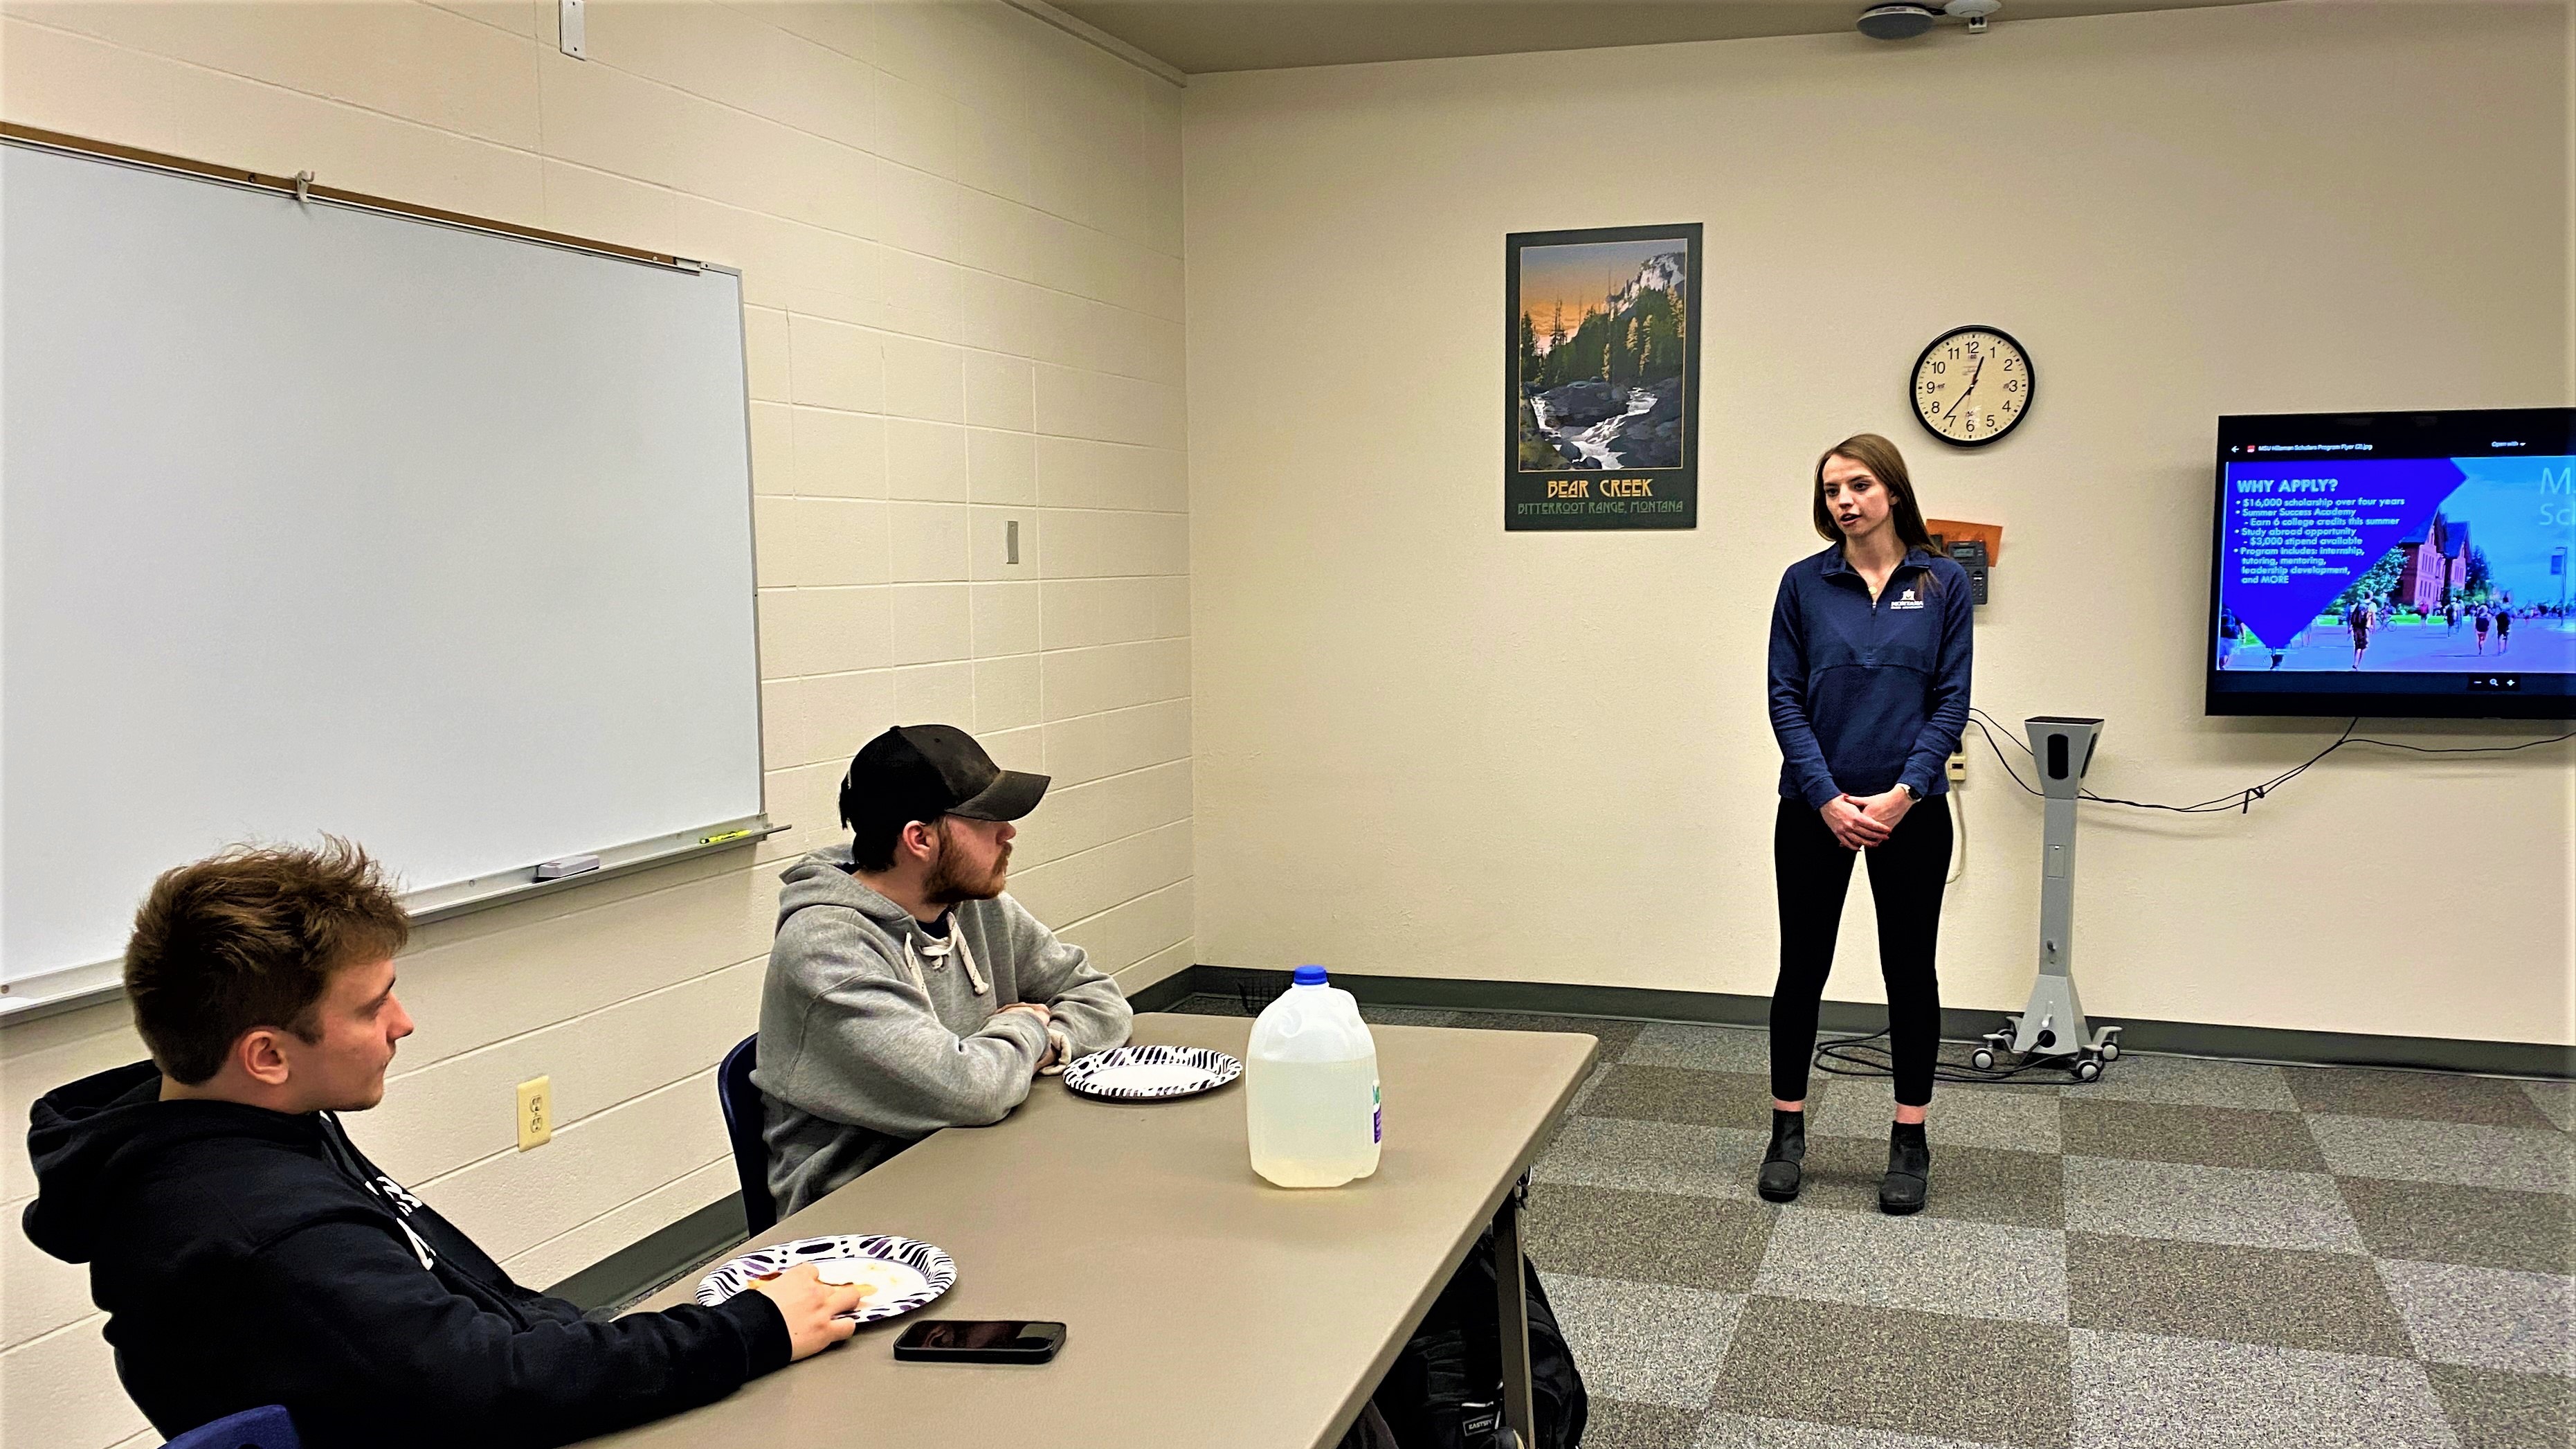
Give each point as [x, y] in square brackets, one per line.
[1895, 22]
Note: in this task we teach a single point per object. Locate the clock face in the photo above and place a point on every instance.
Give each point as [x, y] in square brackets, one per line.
[1971, 386]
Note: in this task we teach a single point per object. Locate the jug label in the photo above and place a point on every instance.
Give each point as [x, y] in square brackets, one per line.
[1377, 1114]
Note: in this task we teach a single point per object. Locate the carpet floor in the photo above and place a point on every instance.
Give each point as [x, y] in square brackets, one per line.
[2185, 1252]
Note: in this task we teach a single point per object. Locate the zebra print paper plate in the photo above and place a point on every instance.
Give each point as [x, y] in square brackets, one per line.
[1148, 1073]
[897, 1274]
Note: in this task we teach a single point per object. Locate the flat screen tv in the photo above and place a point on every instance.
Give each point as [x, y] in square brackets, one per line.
[2395, 564]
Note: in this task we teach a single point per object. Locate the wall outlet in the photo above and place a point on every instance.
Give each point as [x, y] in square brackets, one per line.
[574, 29]
[536, 1112]
[1958, 769]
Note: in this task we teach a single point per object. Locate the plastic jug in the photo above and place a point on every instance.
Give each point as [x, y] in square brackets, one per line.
[1310, 1087]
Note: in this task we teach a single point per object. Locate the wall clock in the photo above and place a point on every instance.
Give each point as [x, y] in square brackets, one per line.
[1971, 386]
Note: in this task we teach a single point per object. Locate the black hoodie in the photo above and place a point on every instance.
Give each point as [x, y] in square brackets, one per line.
[249, 1257]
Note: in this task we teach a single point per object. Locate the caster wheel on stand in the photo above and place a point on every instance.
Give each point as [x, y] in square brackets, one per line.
[2110, 1051]
[2087, 1069]
[1983, 1059]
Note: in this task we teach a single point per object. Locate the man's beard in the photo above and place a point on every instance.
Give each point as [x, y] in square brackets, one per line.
[948, 884]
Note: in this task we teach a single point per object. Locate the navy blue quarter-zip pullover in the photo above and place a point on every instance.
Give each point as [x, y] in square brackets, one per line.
[1867, 695]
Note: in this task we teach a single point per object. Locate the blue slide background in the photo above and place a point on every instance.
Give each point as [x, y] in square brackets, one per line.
[2297, 534]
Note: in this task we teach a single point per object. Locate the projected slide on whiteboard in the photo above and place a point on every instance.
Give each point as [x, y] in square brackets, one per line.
[323, 519]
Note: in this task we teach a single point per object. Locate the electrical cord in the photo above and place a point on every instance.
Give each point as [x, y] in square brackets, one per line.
[1853, 1057]
[1850, 1056]
[2243, 800]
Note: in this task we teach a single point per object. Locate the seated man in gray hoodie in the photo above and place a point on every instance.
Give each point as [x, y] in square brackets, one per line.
[906, 993]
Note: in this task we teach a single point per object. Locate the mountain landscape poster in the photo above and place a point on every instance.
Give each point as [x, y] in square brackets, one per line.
[1601, 416]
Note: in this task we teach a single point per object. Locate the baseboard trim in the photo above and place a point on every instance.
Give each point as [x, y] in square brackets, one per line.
[2189, 1038]
[647, 1264]
[1172, 990]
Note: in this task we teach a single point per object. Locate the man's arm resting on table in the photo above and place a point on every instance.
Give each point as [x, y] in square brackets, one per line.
[364, 1323]
[1087, 1011]
[870, 1052]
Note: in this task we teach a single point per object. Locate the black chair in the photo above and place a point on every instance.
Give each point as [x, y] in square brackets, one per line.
[267, 1428]
[743, 1116]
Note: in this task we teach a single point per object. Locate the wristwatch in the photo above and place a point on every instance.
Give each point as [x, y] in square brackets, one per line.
[1910, 792]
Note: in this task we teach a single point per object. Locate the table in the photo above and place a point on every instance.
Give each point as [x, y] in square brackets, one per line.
[1203, 1306]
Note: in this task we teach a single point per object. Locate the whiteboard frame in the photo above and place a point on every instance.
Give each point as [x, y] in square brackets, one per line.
[68, 988]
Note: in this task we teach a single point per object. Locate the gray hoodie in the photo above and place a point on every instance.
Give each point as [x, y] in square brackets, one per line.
[875, 1033]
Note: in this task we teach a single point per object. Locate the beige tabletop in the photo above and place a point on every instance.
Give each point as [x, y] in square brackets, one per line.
[1203, 1306]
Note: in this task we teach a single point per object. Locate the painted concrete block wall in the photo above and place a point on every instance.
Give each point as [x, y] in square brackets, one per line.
[1545, 756]
[960, 237]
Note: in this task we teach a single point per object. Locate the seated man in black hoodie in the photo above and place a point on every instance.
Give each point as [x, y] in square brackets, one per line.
[246, 1253]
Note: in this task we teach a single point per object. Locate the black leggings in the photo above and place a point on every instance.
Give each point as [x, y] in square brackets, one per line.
[1905, 880]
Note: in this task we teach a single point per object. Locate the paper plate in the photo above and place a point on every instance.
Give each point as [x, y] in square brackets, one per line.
[901, 1274]
[1145, 1073]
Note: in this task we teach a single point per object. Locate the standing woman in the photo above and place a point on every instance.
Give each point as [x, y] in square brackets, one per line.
[1869, 691]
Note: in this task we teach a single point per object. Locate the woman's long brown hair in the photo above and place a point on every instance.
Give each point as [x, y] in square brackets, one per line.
[1887, 465]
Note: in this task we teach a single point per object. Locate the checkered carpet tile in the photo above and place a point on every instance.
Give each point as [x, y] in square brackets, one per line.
[2183, 1253]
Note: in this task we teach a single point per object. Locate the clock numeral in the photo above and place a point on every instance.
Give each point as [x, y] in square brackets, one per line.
[1949, 408]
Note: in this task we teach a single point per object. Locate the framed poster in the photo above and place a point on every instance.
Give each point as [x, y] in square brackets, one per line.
[1601, 361]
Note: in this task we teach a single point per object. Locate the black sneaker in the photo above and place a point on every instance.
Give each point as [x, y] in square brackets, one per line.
[1780, 1169]
[1909, 1170]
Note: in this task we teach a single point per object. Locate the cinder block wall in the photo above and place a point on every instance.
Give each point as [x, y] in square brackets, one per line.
[960, 237]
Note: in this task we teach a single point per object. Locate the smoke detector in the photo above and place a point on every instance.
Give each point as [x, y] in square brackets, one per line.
[1896, 22]
[1973, 11]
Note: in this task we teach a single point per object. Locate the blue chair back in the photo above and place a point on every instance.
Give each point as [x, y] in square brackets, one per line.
[267, 1428]
[743, 1117]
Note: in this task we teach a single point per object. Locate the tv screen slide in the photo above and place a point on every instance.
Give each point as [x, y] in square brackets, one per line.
[2395, 564]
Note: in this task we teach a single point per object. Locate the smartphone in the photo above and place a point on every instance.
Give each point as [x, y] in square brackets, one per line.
[958, 1340]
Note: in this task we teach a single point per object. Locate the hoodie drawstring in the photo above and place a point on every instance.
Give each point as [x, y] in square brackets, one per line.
[954, 944]
[966, 957]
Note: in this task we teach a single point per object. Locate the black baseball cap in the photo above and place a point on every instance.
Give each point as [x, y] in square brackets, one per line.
[921, 772]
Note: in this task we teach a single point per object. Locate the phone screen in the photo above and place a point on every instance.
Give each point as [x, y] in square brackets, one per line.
[981, 1340]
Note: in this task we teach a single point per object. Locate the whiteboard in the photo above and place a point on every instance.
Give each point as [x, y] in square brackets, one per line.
[315, 518]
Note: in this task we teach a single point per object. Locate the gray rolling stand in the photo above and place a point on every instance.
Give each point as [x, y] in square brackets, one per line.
[2053, 1024]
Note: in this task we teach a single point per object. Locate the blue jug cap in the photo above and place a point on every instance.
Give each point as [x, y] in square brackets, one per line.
[1310, 976]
